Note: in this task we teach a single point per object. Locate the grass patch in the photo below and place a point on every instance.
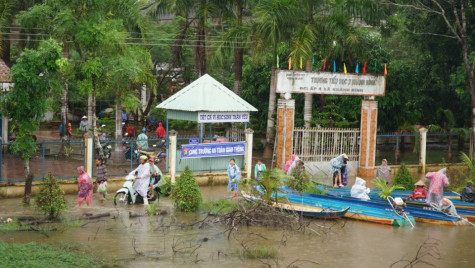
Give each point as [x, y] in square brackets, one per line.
[14, 226]
[44, 255]
[73, 223]
[259, 253]
[219, 206]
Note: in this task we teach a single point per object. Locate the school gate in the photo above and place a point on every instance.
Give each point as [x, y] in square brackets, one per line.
[367, 85]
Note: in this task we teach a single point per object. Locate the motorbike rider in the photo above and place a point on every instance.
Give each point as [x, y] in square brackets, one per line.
[142, 178]
[142, 140]
[155, 175]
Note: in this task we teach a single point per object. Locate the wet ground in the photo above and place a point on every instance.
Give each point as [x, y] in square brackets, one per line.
[169, 241]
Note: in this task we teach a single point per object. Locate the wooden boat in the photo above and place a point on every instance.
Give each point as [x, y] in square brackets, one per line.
[304, 210]
[418, 209]
[356, 211]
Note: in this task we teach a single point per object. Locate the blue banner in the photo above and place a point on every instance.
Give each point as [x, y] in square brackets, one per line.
[213, 149]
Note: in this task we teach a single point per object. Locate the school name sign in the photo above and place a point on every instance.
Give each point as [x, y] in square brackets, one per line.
[223, 117]
[330, 83]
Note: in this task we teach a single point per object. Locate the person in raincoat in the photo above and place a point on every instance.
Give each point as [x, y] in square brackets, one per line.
[293, 165]
[437, 180]
[467, 194]
[335, 168]
[142, 140]
[447, 207]
[85, 187]
[142, 178]
[289, 163]
[359, 190]
[155, 175]
[83, 123]
[234, 174]
[419, 192]
[384, 171]
[160, 132]
[258, 169]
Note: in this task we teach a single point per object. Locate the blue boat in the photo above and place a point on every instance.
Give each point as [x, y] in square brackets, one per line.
[326, 213]
[356, 211]
[418, 209]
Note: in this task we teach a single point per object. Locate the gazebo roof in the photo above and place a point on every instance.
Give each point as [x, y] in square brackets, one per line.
[206, 94]
[4, 72]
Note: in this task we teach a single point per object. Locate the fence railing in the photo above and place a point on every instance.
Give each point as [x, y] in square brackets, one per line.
[61, 159]
[322, 144]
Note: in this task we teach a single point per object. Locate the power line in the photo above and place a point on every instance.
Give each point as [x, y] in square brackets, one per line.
[134, 43]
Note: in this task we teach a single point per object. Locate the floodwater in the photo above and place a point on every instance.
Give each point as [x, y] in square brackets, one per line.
[169, 241]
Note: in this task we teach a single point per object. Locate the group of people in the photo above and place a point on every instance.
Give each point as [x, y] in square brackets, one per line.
[146, 174]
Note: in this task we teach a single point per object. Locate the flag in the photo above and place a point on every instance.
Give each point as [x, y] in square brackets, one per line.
[300, 63]
[364, 68]
[344, 68]
[290, 63]
[313, 61]
[385, 70]
[334, 66]
[324, 64]
[356, 70]
[277, 61]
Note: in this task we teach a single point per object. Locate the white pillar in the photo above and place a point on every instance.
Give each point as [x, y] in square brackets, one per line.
[172, 155]
[248, 155]
[4, 129]
[118, 123]
[88, 140]
[422, 158]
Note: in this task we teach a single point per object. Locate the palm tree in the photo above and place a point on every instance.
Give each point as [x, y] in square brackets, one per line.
[274, 23]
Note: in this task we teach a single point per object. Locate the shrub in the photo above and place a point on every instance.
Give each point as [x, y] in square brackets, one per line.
[271, 179]
[220, 206]
[299, 179]
[50, 198]
[385, 189]
[186, 194]
[404, 178]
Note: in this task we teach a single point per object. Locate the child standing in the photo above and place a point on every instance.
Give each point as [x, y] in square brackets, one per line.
[258, 169]
[101, 180]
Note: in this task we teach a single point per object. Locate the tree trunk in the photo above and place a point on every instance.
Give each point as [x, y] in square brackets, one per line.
[268, 149]
[118, 120]
[64, 119]
[200, 50]
[28, 182]
[91, 111]
[238, 61]
[307, 110]
[238, 55]
[449, 152]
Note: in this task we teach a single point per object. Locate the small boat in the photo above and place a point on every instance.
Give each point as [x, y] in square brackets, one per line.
[356, 211]
[304, 210]
[418, 209]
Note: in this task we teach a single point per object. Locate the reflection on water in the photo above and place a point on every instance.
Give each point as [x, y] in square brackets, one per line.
[168, 241]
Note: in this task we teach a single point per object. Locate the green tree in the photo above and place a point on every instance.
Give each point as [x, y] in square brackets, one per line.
[404, 178]
[34, 75]
[186, 194]
[50, 197]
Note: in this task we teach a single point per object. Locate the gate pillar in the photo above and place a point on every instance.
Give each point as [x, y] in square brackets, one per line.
[369, 122]
[285, 130]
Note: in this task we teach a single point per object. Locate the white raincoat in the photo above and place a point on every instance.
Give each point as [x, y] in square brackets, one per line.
[143, 180]
[359, 190]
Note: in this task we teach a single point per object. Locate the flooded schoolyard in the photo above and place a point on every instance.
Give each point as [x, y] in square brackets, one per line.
[181, 240]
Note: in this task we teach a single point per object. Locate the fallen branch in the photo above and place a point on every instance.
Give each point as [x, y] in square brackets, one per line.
[91, 217]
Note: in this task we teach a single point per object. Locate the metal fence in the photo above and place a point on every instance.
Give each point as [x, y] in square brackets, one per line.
[404, 148]
[322, 144]
[61, 159]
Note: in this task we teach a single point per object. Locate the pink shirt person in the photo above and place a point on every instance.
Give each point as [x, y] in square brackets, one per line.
[289, 163]
[85, 187]
[437, 182]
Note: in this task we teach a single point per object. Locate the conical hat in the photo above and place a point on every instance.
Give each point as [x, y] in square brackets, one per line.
[420, 183]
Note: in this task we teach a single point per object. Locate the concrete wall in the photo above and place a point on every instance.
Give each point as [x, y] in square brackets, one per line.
[320, 171]
[70, 186]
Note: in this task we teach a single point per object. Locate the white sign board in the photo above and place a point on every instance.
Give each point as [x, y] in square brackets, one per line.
[223, 117]
[330, 83]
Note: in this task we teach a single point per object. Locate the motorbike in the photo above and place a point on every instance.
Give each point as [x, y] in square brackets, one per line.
[128, 196]
[106, 149]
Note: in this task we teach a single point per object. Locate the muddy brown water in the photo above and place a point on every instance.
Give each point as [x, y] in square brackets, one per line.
[347, 244]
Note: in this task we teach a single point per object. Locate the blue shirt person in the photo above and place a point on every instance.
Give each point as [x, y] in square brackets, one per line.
[234, 174]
